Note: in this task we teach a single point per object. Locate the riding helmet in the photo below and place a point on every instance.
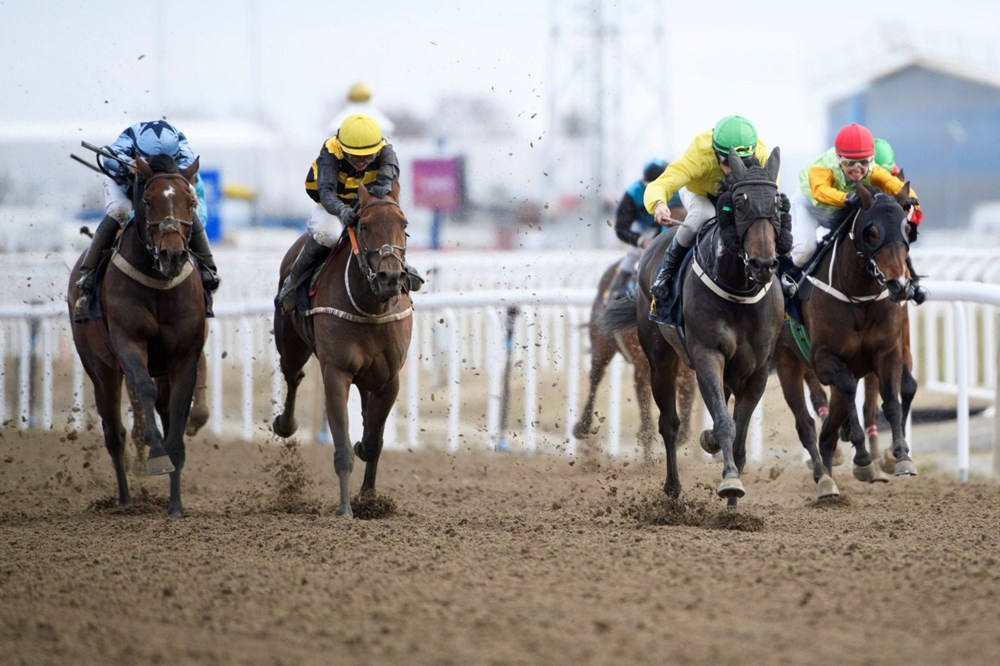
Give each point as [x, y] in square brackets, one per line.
[854, 141]
[158, 137]
[885, 157]
[360, 135]
[653, 169]
[734, 133]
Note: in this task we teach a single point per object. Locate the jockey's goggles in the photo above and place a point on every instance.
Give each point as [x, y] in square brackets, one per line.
[746, 159]
[359, 161]
[847, 163]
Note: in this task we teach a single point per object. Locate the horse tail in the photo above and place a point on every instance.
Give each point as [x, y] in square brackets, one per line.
[619, 315]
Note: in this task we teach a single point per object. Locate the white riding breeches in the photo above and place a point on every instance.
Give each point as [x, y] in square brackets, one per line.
[116, 204]
[699, 210]
[804, 226]
[323, 227]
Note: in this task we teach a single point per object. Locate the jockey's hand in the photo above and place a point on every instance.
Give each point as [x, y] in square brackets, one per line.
[661, 213]
[852, 199]
[348, 217]
[913, 212]
[784, 205]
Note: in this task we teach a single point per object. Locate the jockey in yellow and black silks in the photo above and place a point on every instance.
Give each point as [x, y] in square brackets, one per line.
[357, 153]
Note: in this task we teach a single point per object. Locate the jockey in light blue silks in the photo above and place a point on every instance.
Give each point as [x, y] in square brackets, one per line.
[145, 139]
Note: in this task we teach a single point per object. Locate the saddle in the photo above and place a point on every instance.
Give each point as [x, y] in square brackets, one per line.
[305, 289]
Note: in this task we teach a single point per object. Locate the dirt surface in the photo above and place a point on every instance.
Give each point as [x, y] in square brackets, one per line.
[485, 558]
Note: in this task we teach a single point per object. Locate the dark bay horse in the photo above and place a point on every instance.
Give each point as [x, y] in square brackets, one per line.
[362, 322]
[153, 325]
[732, 310]
[603, 347]
[855, 322]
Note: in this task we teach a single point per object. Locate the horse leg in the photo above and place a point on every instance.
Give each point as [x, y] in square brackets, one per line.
[709, 368]
[603, 349]
[336, 385]
[647, 431]
[294, 353]
[198, 416]
[663, 362]
[376, 411]
[132, 357]
[820, 405]
[831, 370]
[138, 426]
[870, 414]
[163, 403]
[176, 393]
[791, 374]
[890, 389]
[686, 389]
[108, 395]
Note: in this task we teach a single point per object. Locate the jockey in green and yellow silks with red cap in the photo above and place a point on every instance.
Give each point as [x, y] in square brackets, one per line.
[696, 176]
[826, 186]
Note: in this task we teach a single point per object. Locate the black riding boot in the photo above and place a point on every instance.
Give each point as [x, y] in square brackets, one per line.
[104, 238]
[661, 287]
[198, 244]
[619, 284]
[917, 293]
[309, 255]
[413, 280]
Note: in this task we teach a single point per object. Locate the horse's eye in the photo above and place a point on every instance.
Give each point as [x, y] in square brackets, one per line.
[872, 235]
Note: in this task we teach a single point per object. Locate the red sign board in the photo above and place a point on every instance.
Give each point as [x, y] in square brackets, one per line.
[437, 183]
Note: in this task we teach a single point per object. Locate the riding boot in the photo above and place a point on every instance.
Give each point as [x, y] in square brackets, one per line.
[917, 293]
[413, 279]
[618, 286]
[104, 237]
[663, 284]
[309, 255]
[198, 244]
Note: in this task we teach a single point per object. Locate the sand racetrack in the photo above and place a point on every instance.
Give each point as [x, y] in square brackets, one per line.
[488, 559]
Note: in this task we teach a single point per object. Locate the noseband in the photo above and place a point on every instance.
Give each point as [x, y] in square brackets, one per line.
[167, 225]
[363, 251]
[756, 209]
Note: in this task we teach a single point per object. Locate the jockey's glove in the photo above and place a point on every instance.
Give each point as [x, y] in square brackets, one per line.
[852, 199]
[348, 217]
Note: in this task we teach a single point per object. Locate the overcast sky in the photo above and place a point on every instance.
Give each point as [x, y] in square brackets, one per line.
[102, 60]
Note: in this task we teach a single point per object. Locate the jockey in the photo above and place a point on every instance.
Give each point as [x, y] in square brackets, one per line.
[826, 185]
[635, 226]
[696, 177]
[145, 139]
[356, 154]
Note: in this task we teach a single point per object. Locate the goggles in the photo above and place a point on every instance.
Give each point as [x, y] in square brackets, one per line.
[847, 163]
[360, 161]
[724, 159]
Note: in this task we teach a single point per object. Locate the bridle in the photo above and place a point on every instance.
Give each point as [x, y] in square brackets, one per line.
[167, 225]
[757, 211]
[864, 251]
[363, 252]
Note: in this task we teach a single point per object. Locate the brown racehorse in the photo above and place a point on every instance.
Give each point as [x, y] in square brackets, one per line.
[362, 322]
[153, 325]
[855, 325]
[603, 348]
[732, 309]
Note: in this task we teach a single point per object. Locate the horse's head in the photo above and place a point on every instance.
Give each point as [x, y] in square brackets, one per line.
[880, 235]
[165, 211]
[755, 211]
[381, 237]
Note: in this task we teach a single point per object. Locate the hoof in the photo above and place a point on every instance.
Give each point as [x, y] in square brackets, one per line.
[159, 465]
[176, 512]
[838, 457]
[581, 432]
[888, 462]
[866, 473]
[359, 451]
[731, 488]
[282, 432]
[826, 487]
[345, 511]
[708, 443]
[195, 422]
[905, 468]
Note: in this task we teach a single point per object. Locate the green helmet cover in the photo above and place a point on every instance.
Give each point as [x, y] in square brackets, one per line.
[884, 155]
[734, 133]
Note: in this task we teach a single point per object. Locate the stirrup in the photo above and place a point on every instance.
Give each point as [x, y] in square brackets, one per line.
[789, 286]
[80, 307]
[656, 316]
[87, 282]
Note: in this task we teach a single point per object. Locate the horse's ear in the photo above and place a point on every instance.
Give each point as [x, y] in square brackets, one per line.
[773, 164]
[902, 197]
[865, 196]
[142, 166]
[189, 173]
[363, 195]
[394, 192]
[736, 164]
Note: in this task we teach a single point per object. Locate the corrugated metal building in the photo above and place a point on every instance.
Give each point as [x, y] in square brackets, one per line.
[943, 122]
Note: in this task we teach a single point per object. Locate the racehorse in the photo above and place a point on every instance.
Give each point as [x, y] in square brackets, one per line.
[361, 324]
[732, 313]
[854, 320]
[153, 329]
[603, 348]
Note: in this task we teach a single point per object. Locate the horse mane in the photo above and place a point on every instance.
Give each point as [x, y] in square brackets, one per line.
[163, 164]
